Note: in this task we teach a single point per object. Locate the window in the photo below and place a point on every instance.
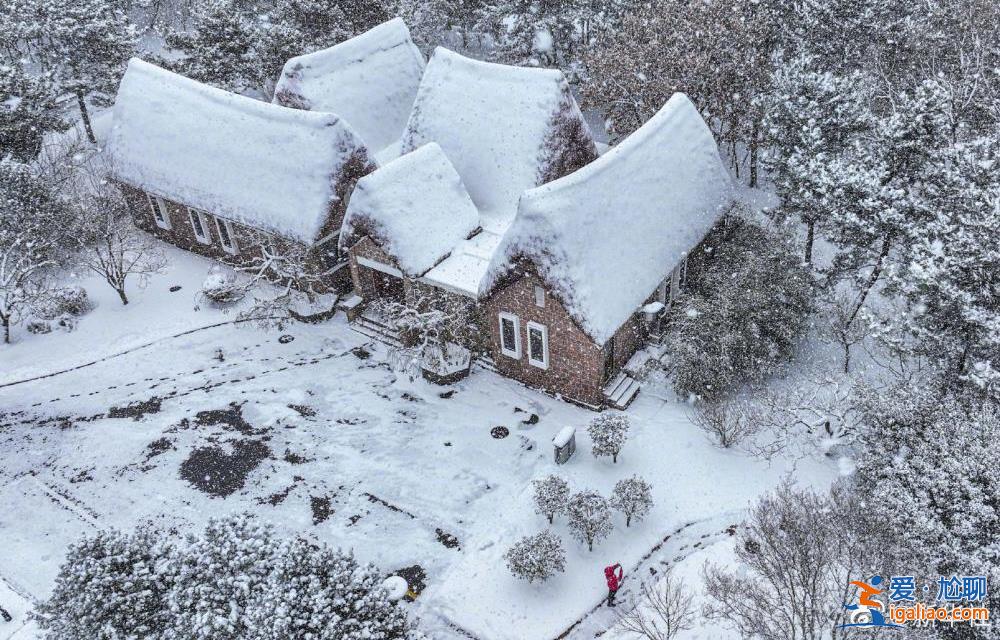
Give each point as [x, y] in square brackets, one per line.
[226, 236]
[159, 208]
[199, 226]
[540, 297]
[538, 345]
[510, 338]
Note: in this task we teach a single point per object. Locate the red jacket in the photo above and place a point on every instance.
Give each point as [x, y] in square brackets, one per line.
[614, 581]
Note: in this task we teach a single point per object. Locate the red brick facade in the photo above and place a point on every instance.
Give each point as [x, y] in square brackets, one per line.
[247, 240]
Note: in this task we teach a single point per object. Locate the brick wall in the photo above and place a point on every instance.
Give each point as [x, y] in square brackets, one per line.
[575, 362]
[248, 240]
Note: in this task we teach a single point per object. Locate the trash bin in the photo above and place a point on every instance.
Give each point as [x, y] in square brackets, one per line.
[564, 444]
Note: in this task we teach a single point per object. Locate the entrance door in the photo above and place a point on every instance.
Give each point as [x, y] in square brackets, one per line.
[387, 286]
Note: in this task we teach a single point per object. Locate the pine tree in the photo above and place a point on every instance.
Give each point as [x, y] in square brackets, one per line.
[810, 117]
[589, 517]
[551, 495]
[608, 433]
[633, 497]
[27, 112]
[536, 557]
[83, 45]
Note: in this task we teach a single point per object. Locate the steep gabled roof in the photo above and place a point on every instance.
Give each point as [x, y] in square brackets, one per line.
[269, 167]
[369, 80]
[506, 129]
[415, 207]
[604, 237]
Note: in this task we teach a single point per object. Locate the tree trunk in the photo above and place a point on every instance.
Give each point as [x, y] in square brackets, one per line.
[753, 155]
[86, 116]
[628, 520]
[590, 544]
[551, 517]
[121, 294]
[614, 458]
[873, 278]
[810, 238]
[6, 329]
[847, 358]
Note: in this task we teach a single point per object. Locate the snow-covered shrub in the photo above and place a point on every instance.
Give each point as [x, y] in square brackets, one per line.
[536, 557]
[114, 585]
[344, 599]
[589, 517]
[551, 495]
[664, 608]
[235, 579]
[38, 327]
[222, 287]
[748, 306]
[66, 322]
[608, 433]
[633, 497]
[70, 300]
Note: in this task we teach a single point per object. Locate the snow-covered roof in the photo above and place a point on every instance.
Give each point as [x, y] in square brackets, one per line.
[506, 129]
[369, 80]
[269, 167]
[415, 207]
[604, 237]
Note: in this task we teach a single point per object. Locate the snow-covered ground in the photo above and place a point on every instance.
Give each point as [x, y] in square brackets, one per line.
[321, 437]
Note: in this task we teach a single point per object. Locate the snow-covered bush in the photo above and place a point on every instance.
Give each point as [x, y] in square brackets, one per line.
[536, 557]
[345, 600]
[608, 433]
[748, 306]
[235, 579]
[114, 585]
[589, 517]
[222, 287]
[663, 608]
[633, 497]
[38, 327]
[69, 300]
[551, 495]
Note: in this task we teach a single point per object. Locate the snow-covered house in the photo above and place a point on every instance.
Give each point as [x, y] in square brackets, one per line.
[370, 80]
[591, 255]
[218, 173]
[503, 130]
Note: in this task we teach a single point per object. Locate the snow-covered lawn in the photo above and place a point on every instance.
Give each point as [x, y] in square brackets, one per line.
[320, 436]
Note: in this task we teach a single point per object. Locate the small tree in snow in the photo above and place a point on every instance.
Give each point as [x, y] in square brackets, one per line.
[551, 495]
[608, 433]
[662, 610]
[728, 421]
[589, 517]
[536, 557]
[110, 244]
[633, 497]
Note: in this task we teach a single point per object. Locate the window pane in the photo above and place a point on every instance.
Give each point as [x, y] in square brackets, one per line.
[536, 343]
[509, 336]
[196, 221]
[224, 233]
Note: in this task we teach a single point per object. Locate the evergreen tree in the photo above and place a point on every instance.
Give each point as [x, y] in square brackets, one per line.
[608, 433]
[27, 112]
[633, 497]
[589, 517]
[551, 495]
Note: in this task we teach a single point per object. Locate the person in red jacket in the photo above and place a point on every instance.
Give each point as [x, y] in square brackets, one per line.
[614, 581]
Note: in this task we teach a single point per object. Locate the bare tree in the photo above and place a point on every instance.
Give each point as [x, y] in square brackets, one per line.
[729, 421]
[807, 548]
[110, 244]
[661, 611]
[844, 327]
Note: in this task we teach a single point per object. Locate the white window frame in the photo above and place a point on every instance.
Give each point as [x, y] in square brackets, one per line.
[542, 329]
[539, 297]
[161, 215]
[514, 353]
[221, 226]
[206, 238]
